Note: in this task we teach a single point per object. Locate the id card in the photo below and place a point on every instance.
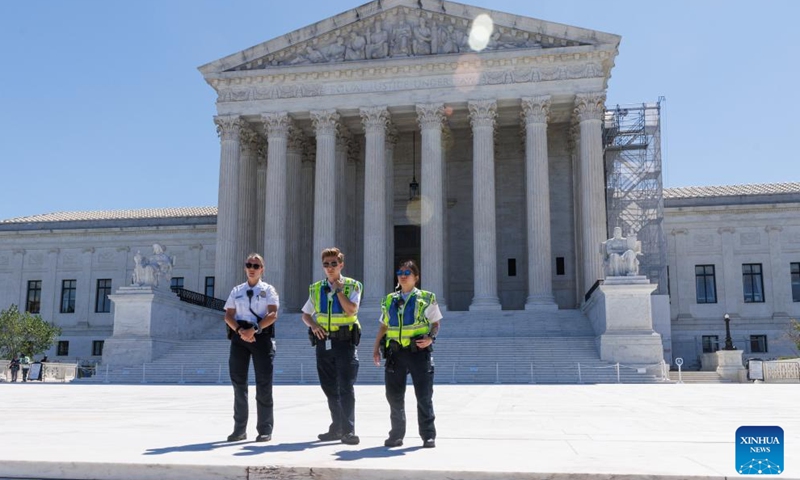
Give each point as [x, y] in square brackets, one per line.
[327, 343]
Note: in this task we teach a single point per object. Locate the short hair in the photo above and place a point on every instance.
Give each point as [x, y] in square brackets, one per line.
[411, 265]
[255, 255]
[333, 252]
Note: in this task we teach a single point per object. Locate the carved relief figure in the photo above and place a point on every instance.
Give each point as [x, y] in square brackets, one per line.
[379, 43]
[335, 51]
[356, 48]
[447, 43]
[620, 255]
[401, 38]
[421, 44]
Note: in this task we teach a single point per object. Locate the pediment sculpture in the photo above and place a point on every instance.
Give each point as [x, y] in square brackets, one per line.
[154, 270]
[621, 255]
[398, 33]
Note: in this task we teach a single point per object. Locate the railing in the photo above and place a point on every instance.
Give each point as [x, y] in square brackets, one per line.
[305, 373]
[591, 290]
[51, 372]
[196, 298]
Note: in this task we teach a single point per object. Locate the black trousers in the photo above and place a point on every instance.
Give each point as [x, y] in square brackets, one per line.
[420, 366]
[263, 353]
[338, 370]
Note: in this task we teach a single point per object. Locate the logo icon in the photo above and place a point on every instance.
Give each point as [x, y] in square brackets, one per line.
[759, 450]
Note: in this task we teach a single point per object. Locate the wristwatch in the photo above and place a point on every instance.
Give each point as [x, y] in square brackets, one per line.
[433, 338]
[258, 329]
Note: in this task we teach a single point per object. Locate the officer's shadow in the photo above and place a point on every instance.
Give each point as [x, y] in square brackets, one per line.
[194, 447]
[373, 452]
[258, 448]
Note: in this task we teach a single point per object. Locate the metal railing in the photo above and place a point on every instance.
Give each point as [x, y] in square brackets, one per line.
[51, 372]
[196, 298]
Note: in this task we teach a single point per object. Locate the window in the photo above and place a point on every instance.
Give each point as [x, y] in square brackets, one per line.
[758, 344]
[710, 343]
[63, 348]
[102, 304]
[705, 283]
[512, 267]
[560, 269]
[176, 282]
[669, 290]
[753, 282]
[210, 287]
[68, 288]
[796, 282]
[97, 348]
[34, 303]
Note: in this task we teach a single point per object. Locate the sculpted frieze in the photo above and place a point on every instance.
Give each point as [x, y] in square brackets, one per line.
[496, 77]
[398, 33]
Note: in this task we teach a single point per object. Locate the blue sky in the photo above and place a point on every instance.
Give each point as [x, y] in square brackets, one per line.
[103, 107]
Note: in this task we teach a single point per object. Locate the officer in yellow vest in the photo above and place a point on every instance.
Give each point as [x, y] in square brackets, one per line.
[408, 327]
[331, 316]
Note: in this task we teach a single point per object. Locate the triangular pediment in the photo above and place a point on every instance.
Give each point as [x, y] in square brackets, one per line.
[398, 29]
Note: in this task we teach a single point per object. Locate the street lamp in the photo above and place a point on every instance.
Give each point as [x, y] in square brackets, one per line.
[728, 339]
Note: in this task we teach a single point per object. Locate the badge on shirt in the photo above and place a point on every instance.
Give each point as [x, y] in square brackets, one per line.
[263, 294]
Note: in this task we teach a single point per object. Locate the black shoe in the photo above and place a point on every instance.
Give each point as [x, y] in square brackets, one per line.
[393, 442]
[429, 443]
[264, 438]
[351, 439]
[329, 436]
[237, 437]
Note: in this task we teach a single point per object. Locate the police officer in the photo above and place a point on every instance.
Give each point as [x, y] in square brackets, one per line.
[331, 316]
[408, 327]
[250, 313]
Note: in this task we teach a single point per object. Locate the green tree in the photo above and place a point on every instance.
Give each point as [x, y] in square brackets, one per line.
[793, 332]
[24, 333]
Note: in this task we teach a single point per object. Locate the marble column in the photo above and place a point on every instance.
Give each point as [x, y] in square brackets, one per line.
[342, 190]
[730, 271]
[227, 267]
[391, 142]
[248, 186]
[84, 284]
[482, 118]
[589, 110]
[295, 289]
[277, 127]
[261, 194]
[430, 118]
[325, 124]
[536, 113]
[376, 121]
[309, 266]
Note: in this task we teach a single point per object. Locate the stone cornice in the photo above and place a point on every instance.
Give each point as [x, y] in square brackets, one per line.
[229, 127]
[535, 109]
[482, 113]
[384, 79]
[590, 106]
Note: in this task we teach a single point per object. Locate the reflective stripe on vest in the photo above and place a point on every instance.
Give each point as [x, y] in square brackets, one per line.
[410, 320]
[330, 314]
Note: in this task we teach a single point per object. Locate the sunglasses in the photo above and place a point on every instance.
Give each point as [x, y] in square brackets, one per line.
[403, 273]
[330, 264]
[254, 266]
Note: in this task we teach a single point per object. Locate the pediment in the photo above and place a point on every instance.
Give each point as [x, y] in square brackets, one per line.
[399, 29]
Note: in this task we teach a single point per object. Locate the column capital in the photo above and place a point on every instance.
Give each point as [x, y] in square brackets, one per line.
[535, 109]
[430, 115]
[325, 122]
[482, 113]
[276, 124]
[590, 106]
[229, 126]
[391, 136]
[375, 119]
[297, 139]
[250, 140]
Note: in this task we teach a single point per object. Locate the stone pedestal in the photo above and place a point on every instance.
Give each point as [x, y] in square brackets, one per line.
[729, 364]
[621, 315]
[148, 321]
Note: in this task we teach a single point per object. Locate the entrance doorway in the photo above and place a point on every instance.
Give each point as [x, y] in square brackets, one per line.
[407, 246]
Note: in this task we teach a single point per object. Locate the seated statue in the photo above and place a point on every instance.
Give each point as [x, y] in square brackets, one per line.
[147, 272]
[620, 255]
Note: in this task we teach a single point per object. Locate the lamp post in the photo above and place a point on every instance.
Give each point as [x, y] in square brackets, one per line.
[728, 339]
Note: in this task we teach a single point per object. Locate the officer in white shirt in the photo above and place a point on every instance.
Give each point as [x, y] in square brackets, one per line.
[250, 314]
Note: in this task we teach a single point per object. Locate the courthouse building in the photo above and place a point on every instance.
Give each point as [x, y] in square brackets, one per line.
[470, 140]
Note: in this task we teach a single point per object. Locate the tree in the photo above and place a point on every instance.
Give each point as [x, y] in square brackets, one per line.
[24, 333]
[793, 332]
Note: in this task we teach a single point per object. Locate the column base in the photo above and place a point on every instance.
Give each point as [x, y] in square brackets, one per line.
[541, 303]
[485, 303]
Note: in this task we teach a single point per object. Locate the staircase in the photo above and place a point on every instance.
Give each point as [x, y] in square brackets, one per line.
[698, 377]
[473, 347]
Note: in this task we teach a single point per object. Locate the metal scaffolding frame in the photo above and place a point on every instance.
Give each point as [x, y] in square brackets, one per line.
[634, 187]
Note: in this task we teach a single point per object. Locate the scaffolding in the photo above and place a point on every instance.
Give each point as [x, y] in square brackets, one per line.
[634, 188]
